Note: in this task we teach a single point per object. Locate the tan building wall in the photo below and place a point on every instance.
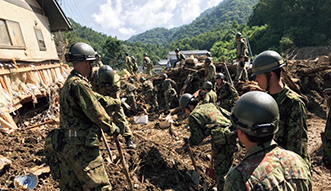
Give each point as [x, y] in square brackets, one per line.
[20, 11]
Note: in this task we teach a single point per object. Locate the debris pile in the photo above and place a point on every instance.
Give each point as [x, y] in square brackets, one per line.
[155, 165]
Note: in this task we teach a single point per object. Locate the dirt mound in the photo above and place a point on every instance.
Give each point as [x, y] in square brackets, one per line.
[155, 165]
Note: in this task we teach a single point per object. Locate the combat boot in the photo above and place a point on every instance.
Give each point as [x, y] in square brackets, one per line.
[129, 143]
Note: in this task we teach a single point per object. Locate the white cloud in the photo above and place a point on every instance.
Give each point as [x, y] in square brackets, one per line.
[190, 10]
[127, 31]
[123, 19]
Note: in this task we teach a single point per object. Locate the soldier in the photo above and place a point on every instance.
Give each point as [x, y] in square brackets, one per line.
[170, 93]
[226, 93]
[209, 55]
[207, 94]
[242, 57]
[205, 120]
[134, 65]
[81, 118]
[128, 63]
[99, 62]
[211, 70]
[327, 133]
[103, 82]
[292, 133]
[150, 93]
[148, 64]
[266, 165]
[180, 58]
[130, 90]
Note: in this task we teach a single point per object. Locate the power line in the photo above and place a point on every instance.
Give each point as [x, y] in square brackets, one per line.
[81, 18]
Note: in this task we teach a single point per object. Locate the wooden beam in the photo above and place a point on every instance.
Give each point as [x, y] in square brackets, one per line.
[29, 68]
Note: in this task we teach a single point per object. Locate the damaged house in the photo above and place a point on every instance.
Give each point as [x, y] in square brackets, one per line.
[30, 67]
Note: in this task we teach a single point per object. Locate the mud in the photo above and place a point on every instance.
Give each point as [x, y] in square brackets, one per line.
[155, 165]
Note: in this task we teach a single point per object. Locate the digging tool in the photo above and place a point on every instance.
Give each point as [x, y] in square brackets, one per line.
[123, 162]
[106, 143]
[195, 176]
[211, 171]
[191, 156]
[228, 73]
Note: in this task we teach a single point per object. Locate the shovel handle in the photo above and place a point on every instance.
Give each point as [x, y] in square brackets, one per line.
[106, 143]
[123, 163]
[191, 156]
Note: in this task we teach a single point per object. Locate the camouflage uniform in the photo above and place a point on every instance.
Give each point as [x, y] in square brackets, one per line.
[210, 97]
[181, 59]
[242, 51]
[115, 112]
[98, 63]
[130, 94]
[129, 64]
[226, 95]
[269, 167]
[211, 73]
[150, 95]
[81, 118]
[327, 141]
[292, 133]
[148, 64]
[207, 120]
[170, 94]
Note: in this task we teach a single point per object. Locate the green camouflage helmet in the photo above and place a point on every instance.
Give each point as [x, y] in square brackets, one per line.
[80, 51]
[142, 79]
[184, 100]
[220, 76]
[105, 75]
[145, 54]
[177, 50]
[208, 85]
[267, 61]
[133, 58]
[208, 54]
[256, 113]
[207, 60]
[131, 80]
[238, 35]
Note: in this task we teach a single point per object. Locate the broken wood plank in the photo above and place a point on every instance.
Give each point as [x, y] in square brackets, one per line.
[38, 170]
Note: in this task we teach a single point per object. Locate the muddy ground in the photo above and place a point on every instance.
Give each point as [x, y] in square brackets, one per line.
[155, 165]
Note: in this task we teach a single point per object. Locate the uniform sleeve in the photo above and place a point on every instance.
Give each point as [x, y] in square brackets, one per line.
[90, 105]
[206, 99]
[233, 181]
[243, 49]
[196, 132]
[297, 129]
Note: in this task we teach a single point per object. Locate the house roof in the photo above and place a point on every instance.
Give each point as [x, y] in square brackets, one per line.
[57, 19]
[188, 52]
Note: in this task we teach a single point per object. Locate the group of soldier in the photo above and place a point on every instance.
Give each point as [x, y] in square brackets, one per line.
[270, 125]
[132, 66]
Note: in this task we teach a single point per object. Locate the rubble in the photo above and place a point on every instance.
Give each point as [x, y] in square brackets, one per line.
[155, 165]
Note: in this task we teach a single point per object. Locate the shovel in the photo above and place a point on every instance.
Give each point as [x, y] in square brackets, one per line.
[195, 176]
[211, 171]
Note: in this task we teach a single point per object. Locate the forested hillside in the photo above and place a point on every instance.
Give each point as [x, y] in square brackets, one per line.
[214, 18]
[273, 25]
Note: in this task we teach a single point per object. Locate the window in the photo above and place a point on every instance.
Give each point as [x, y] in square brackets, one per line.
[40, 38]
[11, 35]
[4, 36]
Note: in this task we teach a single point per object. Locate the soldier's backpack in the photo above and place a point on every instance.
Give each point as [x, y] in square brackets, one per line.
[52, 146]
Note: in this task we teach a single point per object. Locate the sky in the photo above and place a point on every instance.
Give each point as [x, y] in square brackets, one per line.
[124, 18]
